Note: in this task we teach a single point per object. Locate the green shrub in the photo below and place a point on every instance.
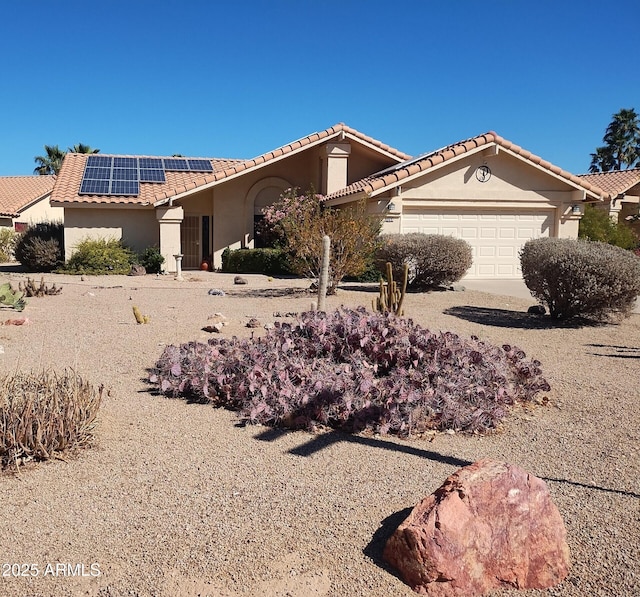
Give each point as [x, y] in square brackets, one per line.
[40, 247]
[8, 240]
[597, 225]
[100, 256]
[434, 259]
[43, 415]
[581, 278]
[272, 262]
[151, 259]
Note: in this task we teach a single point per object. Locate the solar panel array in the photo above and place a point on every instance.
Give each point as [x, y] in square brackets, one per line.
[120, 175]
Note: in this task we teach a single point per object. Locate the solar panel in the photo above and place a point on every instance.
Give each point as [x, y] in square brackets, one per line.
[98, 173]
[121, 162]
[125, 187]
[94, 187]
[124, 174]
[152, 163]
[200, 165]
[99, 161]
[152, 175]
[176, 164]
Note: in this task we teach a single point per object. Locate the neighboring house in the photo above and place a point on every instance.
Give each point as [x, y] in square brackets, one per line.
[623, 189]
[25, 200]
[486, 190]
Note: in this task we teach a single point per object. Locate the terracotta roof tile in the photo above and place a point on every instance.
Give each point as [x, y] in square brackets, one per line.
[283, 151]
[17, 192]
[424, 163]
[70, 176]
[615, 182]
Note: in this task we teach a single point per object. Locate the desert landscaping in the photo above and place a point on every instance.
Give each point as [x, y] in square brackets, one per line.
[179, 499]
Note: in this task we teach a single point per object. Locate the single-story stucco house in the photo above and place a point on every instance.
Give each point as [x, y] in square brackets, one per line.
[25, 200]
[485, 190]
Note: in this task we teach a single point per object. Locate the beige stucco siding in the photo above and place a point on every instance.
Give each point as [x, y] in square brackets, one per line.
[232, 204]
[41, 211]
[137, 228]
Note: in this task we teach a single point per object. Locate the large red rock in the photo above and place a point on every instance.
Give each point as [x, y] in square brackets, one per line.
[491, 525]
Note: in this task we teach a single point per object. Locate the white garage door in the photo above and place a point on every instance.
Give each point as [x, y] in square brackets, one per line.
[495, 237]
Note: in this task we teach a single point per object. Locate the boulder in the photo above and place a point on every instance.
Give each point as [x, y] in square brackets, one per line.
[240, 280]
[536, 310]
[491, 525]
[137, 270]
[253, 323]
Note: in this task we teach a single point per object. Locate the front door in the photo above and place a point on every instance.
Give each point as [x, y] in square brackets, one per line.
[190, 233]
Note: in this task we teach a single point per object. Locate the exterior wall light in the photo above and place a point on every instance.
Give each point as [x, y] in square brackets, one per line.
[576, 210]
[391, 206]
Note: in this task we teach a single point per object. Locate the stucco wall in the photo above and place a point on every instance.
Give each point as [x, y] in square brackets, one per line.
[513, 184]
[137, 228]
[41, 212]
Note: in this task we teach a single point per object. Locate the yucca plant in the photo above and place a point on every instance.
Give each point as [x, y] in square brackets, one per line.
[43, 415]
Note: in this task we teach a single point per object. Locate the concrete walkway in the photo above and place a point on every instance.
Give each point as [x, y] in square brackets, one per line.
[516, 288]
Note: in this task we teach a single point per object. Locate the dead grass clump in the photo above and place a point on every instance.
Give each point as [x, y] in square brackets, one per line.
[43, 415]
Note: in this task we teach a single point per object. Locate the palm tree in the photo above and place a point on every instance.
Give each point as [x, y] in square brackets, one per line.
[622, 144]
[51, 162]
[81, 148]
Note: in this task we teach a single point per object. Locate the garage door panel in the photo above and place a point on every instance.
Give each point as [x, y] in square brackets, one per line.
[495, 237]
[469, 233]
[507, 233]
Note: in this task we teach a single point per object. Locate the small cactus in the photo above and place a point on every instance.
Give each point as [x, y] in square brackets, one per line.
[140, 318]
[30, 288]
[12, 298]
[391, 297]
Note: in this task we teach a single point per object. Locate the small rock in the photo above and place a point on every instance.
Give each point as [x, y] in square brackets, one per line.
[253, 323]
[217, 318]
[457, 288]
[216, 292]
[537, 310]
[240, 280]
[215, 327]
[268, 326]
[18, 321]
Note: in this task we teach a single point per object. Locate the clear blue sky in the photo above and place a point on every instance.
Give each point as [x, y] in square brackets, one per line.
[236, 79]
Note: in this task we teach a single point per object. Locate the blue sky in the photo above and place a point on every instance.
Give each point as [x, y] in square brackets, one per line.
[203, 78]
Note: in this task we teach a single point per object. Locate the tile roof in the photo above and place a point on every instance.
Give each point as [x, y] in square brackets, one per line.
[425, 163]
[17, 192]
[177, 183]
[616, 182]
[313, 139]
[70, 177]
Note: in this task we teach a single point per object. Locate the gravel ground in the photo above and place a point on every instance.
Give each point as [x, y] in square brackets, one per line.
[177, 499]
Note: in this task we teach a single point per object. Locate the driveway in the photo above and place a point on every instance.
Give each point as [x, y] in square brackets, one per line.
[516, 288]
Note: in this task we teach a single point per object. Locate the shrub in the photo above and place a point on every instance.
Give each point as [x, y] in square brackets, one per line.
[273, 262]
[302, 221]
[40, 247]
[434, 259]
[43, 415]
[100, 256]
[151, 259]
[581, 278]
[354, 370]
[8, 240]
[596, 225]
